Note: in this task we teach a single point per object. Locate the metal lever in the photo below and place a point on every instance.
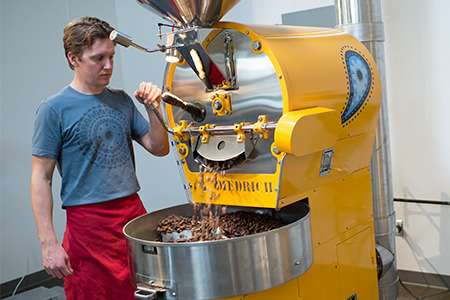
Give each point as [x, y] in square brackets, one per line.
[126, 41]
[153, 107]
[196, 110]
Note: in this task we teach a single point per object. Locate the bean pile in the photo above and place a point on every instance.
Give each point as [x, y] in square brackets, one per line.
[242, 223]
[234, 224]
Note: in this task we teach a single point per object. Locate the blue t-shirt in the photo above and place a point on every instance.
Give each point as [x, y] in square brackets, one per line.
[90, 136]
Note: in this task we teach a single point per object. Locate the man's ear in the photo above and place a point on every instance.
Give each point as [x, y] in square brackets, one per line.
[72, 59]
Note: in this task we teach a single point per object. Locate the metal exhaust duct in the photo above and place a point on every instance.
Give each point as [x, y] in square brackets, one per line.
[362, 19]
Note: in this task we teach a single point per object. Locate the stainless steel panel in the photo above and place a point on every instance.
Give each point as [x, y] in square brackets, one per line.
[259, 93]
[225, 268]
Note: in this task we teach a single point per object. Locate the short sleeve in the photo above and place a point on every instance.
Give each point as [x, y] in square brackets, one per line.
[47, 133]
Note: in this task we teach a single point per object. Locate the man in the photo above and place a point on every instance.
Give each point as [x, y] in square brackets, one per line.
[86, 130]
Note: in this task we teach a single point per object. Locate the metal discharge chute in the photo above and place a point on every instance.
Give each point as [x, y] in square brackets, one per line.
[290, 114]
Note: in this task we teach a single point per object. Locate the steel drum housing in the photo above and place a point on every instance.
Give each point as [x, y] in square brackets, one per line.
[224, 268]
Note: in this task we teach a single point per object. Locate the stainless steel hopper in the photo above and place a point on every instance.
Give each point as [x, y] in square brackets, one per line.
[190, 13]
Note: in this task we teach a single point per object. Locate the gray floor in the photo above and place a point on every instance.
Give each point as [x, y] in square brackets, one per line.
[422, 292]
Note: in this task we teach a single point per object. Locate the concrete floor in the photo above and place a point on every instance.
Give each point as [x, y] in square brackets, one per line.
[422, 292]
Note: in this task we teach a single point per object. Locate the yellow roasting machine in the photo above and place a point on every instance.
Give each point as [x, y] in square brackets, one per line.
[289, 115]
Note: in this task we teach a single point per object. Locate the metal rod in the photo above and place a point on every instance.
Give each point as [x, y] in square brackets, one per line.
[435, 202]
[153, 107]
[265, 126]
[126, 41]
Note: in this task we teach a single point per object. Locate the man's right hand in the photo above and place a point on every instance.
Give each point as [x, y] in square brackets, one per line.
[56, 261]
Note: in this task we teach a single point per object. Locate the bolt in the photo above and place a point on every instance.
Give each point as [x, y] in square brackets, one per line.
[275, 149]
[217, 105]
[256, 45]
[182, 150]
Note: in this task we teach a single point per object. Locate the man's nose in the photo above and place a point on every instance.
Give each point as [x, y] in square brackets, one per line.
[109, 64]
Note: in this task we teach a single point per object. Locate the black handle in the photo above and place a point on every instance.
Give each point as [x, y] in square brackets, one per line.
[196, 110]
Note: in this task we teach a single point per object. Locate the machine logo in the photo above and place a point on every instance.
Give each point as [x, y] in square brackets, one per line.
[360, 80]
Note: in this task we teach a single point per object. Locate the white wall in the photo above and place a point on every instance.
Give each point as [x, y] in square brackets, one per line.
[33, 67]
[417, 64]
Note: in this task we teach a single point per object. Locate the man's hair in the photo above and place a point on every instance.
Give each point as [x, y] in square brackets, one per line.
[81, 34]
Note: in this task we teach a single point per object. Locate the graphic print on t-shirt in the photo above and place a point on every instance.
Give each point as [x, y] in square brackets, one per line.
[104, 135]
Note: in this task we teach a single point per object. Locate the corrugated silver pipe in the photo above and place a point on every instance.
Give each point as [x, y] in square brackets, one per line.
[362, 19]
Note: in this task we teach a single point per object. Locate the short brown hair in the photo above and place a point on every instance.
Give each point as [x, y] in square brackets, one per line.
[81, 34]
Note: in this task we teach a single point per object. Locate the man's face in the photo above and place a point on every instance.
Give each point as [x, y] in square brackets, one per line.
[95, 66]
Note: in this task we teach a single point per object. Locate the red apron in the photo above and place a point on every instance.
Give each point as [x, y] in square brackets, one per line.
[97, 249]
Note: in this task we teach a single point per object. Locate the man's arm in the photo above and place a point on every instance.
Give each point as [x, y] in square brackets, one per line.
[155, 140]
[54, 257]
